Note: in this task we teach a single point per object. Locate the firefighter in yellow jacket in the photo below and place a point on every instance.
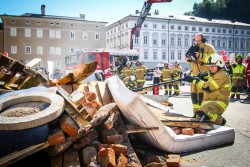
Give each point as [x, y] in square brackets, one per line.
[165, 77]
[216, 91]
[238, 77]
[199, 65]
[140, 73]
[176, 71]
[127, 72]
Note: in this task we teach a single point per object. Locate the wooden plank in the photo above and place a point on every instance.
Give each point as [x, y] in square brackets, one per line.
[188, 124]
[93, 87]
[104, 92]
[18, 155]
[138, 129]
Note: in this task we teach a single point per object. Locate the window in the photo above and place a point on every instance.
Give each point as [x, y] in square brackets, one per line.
[136, 40]
[236, 31]
[186, 28]
[27, 22]
[39, 50]
[230, 31]
[145, 54]
[39, 33]
[97, 36]
[172, 27]
[218, 43]
[172, 41]
[145, 40]
[213, 29]
[242, 32]
[54, 50]
[179, 56]
[154, 25]
[55, 34]
[236, 44]
[179, 42]
[72, 35]
[13, 49]
[230, 44]
[164, 55]
[207, 30]
[172, 55]
[57, 64]
[155, 55]
[218, 30]
[145, 25]
[200, 29]
[213, 42]
[154, 41]
[13, 32]
[163, 42]
[58, 51]
[193, 28]
[27, 32]
[84, 35]
[163, 26]
[242, 45]
[179, 27]
[27, 49]
[224, 31]
[186, 42]
[223, 44]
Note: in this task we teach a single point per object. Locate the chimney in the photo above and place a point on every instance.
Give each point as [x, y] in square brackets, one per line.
[136, 11]
[43, 10]
[82, 16]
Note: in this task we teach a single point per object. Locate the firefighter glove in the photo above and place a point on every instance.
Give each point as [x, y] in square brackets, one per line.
[233, 65]
[190, 78]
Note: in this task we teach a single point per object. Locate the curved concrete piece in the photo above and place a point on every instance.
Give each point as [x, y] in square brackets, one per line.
[54, 110]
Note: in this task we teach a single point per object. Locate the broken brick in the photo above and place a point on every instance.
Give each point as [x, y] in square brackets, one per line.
[68, 125]
[106, 157]
[187, 131]
[56, 136]
[173, 160]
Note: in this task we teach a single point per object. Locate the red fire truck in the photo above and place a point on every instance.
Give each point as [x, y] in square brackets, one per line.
[106, 58]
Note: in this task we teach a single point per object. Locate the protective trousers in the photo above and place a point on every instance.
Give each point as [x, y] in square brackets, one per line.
[168, 89]
[196, 97]
[213, 109]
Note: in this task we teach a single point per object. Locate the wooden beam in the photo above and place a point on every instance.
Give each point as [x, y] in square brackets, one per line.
[188, 124]
[138, 129]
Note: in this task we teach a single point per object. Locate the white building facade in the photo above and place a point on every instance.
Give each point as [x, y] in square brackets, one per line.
[167, 38]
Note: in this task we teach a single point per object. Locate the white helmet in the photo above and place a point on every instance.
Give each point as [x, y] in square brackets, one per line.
[132, 78]
[128, 63]
[216, 60]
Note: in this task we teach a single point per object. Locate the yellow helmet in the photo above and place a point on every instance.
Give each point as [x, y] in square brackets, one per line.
[239, 55]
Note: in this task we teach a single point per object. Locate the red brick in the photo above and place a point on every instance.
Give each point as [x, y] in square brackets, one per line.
[110, 136]
[68, 125]
[120, 149]
[176, 130]
[90, 96]
[56, 136]
[106, 157]
[187, 131]
[103, 146]
[122, 161]
[173, 160]
[85, 140]
[199, 131]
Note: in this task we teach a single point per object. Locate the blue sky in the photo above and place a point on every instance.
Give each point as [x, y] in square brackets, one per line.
[94, 10]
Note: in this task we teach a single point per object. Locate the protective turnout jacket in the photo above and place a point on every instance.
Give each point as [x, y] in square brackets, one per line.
[140, 73]
[199, 65]
[217, 88]
[166, 74]
[238, 78]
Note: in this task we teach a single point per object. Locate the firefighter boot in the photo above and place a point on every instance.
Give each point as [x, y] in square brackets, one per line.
[232, 96]
[238, 96]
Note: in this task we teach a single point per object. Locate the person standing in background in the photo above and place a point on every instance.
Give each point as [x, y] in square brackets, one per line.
[165, 77]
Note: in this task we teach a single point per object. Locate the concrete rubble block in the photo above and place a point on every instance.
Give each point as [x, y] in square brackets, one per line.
[110, 136]
[56, 136]
[187, 131]
[68, 125]
[122, 161]
[85, 140]
[106, 157]
[173, 160]
[89, 154]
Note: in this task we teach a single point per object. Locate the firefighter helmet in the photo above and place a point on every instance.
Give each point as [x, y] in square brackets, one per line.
[216, 60]
[239, 55]
[177, 62]
[132, 78]
[138, 61]
[165, 63]
[129, 63]
[5, 54]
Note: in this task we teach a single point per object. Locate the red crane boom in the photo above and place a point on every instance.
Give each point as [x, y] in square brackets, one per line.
[143, 14]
